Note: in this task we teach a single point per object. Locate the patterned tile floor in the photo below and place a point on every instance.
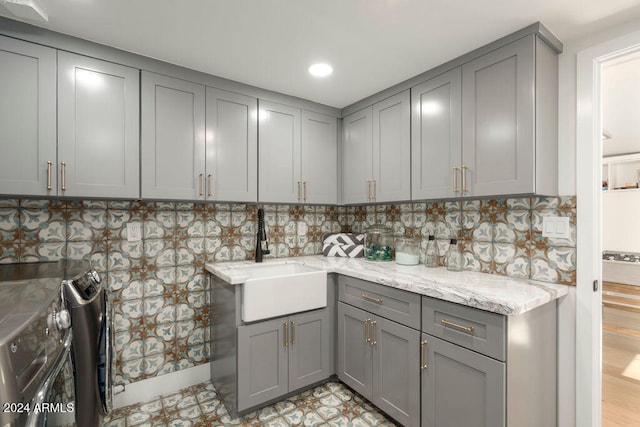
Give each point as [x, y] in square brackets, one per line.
[330, 404]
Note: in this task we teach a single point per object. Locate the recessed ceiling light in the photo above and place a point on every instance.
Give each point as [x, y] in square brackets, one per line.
[320, 70]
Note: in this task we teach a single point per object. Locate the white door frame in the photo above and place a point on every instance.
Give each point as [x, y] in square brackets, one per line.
[589, 195]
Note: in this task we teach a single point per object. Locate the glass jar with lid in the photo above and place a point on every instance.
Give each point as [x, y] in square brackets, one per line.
[379, 244]
[407, 251]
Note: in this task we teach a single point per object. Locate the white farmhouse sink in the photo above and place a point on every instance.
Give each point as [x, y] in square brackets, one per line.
[279, 289]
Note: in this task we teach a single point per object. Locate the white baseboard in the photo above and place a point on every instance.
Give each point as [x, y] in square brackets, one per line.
[146, 390]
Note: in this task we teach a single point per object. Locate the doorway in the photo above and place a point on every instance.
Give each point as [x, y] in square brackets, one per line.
[620, 88]
[589, 174]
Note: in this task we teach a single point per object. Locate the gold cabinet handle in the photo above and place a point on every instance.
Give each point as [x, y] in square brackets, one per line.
[464, 180]
[423, 365]
[293, 332]
[49, 164]
[210, 185]
[63, 167]
[299, 190]
[366, 330]
[201, 185]
[455, 179]
[374, 190]
[372, 299]
[467, 329]
[304, 192]
[286, 334]
[372, 336]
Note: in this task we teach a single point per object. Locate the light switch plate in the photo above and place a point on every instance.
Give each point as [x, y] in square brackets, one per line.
[302, 228]
[556, 227]
[134, 232]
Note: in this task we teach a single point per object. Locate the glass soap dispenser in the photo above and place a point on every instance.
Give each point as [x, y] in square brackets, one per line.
[432, 255]
[454, 255]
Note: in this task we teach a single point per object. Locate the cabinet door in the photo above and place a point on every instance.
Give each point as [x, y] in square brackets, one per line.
[319, 158]
[357, 163]
[232, 146]
[173, 138]
[98, 128]
[392, 149]
[498, 121]
[262, 362]
[436, 137]
[461, 387]
[396, 370]
[27, 118]
[279, 153]
[309, 352]
[354, 351]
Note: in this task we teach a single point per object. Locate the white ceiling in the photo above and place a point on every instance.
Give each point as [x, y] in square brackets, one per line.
[372, 44]
[621, 106]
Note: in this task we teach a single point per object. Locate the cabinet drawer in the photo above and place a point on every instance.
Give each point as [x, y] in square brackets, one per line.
[468, 327]
[394, 304]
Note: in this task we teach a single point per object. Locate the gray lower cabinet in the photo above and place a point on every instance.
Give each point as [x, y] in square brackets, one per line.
[98, 128]
[379, 359]
[27, 119]
[461, 387]
[282, 355]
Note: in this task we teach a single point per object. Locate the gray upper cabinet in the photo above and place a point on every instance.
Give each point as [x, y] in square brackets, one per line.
[231, 146]
[98, 128]
[319, 158]
[509, 121]
[436, 137]
[173, 138]
[357, 157]
[376, 152]
[279, 153]
[27, 118]
[392, 149]
[297, 155]
[461, 387]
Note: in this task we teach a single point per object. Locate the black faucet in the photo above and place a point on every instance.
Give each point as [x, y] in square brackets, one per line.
[261, 237]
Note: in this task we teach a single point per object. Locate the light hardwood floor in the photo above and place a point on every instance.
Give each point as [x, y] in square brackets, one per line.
[620, 359]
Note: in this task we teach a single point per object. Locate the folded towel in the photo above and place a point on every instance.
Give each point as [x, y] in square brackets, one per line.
[343, 245]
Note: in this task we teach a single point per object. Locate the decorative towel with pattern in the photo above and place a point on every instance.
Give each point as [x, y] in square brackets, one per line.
[343, 245]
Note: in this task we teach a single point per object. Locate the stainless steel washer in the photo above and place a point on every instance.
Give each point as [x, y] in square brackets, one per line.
[88, 304]
[35, 340]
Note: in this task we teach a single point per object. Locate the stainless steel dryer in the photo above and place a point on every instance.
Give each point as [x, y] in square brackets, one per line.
[35, 340]
[88, 304]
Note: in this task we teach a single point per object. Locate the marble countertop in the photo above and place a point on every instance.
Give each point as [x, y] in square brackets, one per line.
[490, 292]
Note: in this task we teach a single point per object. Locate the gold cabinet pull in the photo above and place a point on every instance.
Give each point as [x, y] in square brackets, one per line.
[455, 179]
[49, 164]
[366, 330]
[286, 334]
[293, 332]
[374, 190]
[423, 365]
[372, 339]
[467, 329]
[210, 185]
[299, 190]
[201, 185]
[372, 299]
[63, 167]
[464, 179]
[304, 191]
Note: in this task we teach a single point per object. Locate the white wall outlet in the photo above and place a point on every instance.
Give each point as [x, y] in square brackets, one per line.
[302, 228]
[134, 232]
[556, 227]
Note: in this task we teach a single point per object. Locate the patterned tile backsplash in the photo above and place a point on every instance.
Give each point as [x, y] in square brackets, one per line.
[158, 285]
